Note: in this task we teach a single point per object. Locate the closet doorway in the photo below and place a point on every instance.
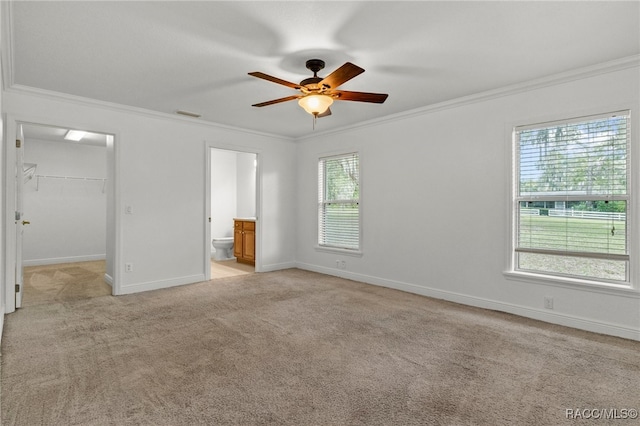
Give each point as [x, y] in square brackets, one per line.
[232, 182]
[64, 202]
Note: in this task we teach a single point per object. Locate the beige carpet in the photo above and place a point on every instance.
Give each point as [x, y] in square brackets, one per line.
[82, 280]
[299, 348]
[64, 282]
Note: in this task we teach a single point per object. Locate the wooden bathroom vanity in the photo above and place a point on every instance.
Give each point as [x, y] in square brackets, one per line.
[244, 240]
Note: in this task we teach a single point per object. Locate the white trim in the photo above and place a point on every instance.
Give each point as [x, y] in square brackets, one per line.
[548, 81]
[108, 279]
[571, 120]
[207, 197]
[1, 325]
[207, 213]
[118, 211]
[9, 215]
[589, 286]
[68, 259]
[79, 100]
[156, 285]
[523, 311]
[633, 236]
[338, 250]
[320, 201]
[7, 45]
[11, 121]
[278, 266]
[633, 206]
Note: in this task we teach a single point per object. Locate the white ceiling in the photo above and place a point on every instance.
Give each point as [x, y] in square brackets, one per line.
[56, 134]
[195, 56]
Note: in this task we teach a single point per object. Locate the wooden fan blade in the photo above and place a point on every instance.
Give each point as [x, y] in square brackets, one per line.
[275, 79]
[344, 95]
[325, 114]
[341, 75]
[277, 101]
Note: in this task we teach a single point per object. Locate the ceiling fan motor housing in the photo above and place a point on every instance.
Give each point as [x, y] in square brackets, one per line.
[314, 65]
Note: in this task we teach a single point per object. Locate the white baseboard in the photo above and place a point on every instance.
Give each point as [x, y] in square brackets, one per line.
[108, 279]
[69, 259]
[278, 266]
[191, 279]
[156, 285]
[523, 311]
[1, 324]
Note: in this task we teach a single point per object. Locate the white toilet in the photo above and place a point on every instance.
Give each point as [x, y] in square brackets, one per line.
[224, 248]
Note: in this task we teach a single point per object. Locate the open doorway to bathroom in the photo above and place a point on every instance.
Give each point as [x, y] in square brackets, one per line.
[64, 197]
[233, 205]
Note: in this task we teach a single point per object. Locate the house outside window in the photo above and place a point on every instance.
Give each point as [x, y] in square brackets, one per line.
[339, 202]
[571, 198]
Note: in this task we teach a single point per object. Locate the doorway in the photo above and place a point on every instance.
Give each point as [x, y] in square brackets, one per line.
[231, 193]
[64, 218]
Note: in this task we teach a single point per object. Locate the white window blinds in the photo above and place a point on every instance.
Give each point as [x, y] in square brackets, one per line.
[339, 201]
[571, 197]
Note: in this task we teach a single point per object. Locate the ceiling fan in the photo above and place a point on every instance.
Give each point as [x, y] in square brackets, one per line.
[317, 93]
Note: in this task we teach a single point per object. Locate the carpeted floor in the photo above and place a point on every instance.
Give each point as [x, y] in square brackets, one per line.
[298, 348]
[64, 282]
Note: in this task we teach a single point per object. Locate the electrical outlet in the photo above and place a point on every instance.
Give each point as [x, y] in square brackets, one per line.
[128, 267]
[548, 302]
[343, 264]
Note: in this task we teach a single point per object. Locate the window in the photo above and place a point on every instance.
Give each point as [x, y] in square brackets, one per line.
[339, 202]
[571, 198]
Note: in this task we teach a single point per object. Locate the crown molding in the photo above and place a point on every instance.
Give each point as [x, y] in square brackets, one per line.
[547, 81]
[79, 100]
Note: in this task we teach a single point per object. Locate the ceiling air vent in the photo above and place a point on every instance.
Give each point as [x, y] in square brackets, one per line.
[188, 113]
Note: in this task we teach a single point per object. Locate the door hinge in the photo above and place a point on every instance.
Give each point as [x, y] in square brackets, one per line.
[17, 288]
[18, 143]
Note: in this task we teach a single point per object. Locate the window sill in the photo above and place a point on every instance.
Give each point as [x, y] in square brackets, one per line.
[335, 250]
[574, 283]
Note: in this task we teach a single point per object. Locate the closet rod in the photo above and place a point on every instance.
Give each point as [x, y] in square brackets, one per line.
[69, 177]
[104, 180]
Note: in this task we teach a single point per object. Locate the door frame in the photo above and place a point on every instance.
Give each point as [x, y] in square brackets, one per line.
[208, 146]
[9, 185]
[19, 216]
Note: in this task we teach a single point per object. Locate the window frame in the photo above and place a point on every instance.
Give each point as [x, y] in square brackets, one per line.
[320, 201]
[512, 271]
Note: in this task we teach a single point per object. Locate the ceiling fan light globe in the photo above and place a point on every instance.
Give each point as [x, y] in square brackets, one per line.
[315, 104]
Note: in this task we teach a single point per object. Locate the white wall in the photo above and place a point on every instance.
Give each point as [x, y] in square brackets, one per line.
[111, 213]
[224, 192]
[246, 184]
[161, 175]
[435, 203]
[68, 216]
[3, 182]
